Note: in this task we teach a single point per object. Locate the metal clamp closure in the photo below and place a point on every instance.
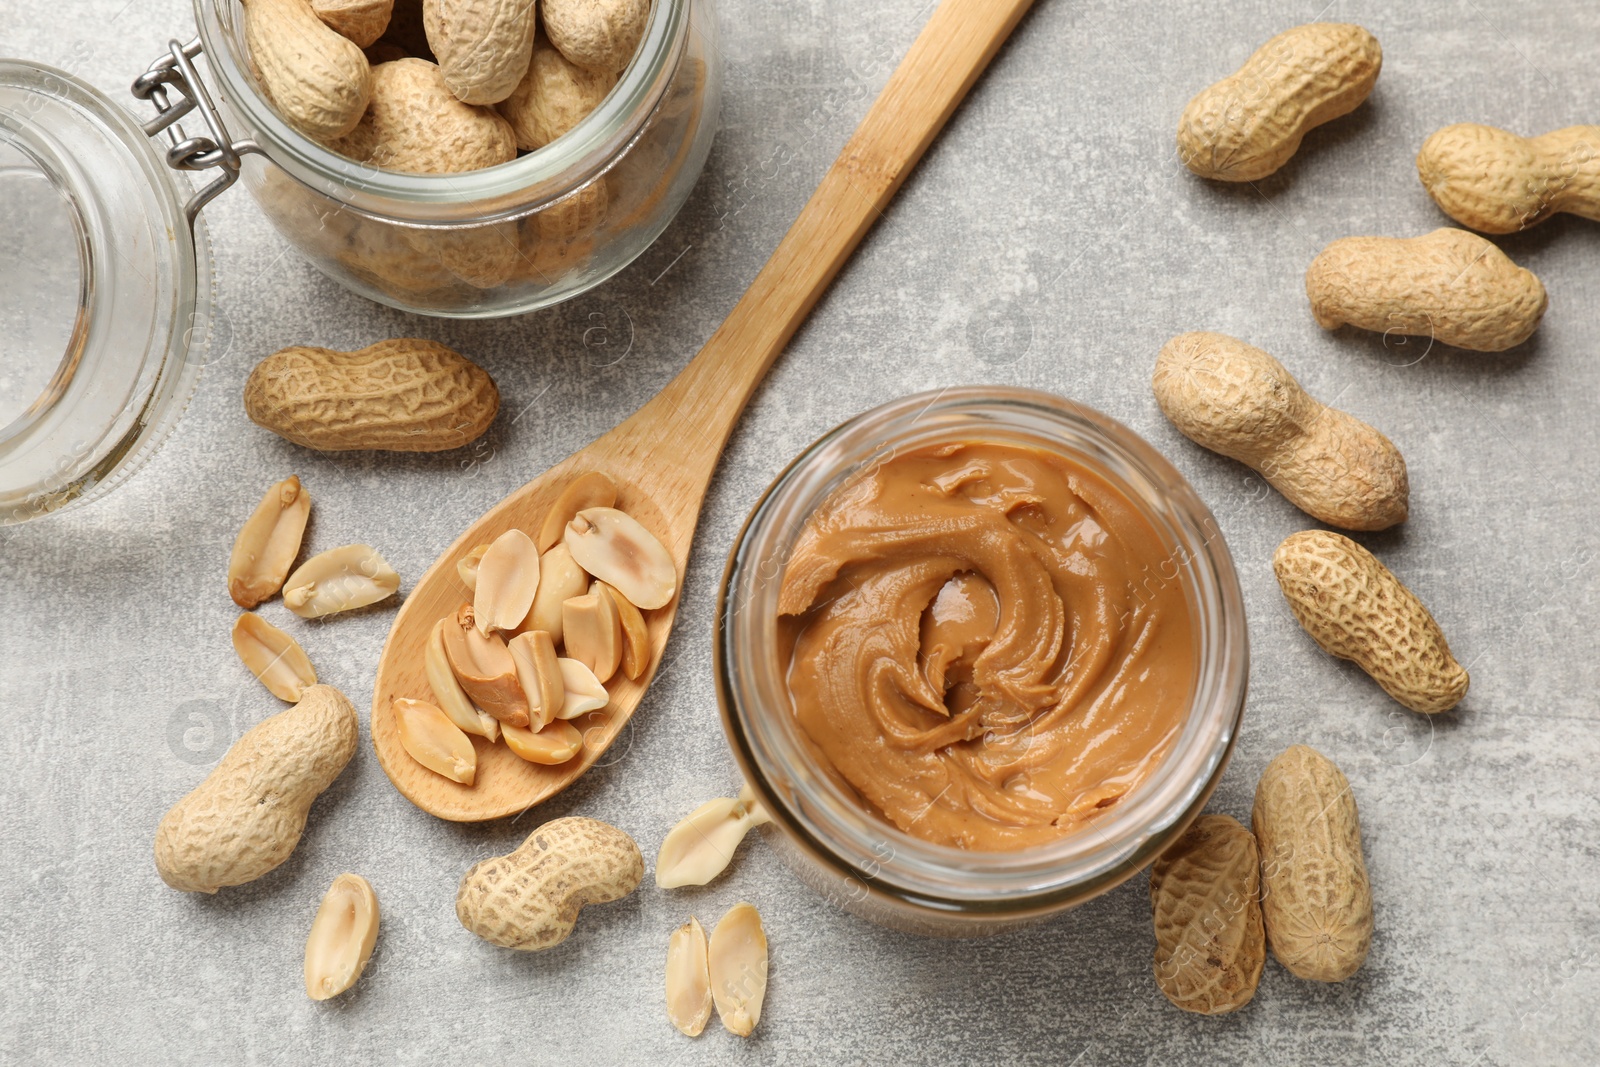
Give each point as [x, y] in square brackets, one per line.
[175, 72]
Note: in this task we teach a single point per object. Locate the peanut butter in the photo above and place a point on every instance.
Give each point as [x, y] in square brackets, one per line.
[987, 643]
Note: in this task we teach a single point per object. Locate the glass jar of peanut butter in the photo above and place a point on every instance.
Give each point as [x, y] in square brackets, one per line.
[982, 654]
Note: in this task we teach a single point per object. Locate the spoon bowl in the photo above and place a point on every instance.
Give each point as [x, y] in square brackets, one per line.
[507, 784]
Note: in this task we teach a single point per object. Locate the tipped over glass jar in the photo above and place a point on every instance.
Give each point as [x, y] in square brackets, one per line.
[105, 293]
[982, 655]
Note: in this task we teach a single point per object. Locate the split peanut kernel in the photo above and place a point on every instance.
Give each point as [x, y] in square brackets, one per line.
[557, 743]
[701, 846]
[615, 548]
[560, 579]
[273, 657]
[592, 631]
[430, 738]
[584, 692]
[507, 579]
[635, 635]
[535, 657]
[342, 937]
[688, 978]
[268, 543]
[591, 490]
[447, 692]
[467, 567]
[737, 960]
[485, 669]
[340, 579]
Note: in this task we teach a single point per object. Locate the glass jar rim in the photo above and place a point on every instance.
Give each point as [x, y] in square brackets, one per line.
[490, 194]
[860, 846]
[131, 364]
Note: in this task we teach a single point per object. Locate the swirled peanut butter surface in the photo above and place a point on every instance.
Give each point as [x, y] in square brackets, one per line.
[986, 642]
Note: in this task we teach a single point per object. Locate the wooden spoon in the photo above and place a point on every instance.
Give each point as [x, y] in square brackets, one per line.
[663, 456]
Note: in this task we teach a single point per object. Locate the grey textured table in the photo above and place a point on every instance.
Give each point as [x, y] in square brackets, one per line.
[1049, 239]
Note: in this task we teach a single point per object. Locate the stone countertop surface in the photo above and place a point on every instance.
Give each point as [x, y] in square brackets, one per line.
[1049, 239]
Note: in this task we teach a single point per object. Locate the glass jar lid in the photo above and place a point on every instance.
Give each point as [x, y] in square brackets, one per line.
[105, 292]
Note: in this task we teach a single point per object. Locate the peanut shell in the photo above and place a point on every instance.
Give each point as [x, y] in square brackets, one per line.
[482, 46]
[553, 97]
[530, 898]
[416, 125]
[1449, 285]
[1316, 902]
[482, 256]
[1251, 123]
[1235, 399]
[319, 81]
[1493, 181]
[360, 21]
[1205, 898]
[248, 814]
[576, 215]
[1356, 609]
[403, 395]
[386, 260]
[600, 35]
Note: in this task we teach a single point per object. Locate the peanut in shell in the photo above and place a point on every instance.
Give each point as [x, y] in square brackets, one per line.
[1205, 905]
[1356, 609]
[1316, 898]
[1251, 123]
[1450, 286]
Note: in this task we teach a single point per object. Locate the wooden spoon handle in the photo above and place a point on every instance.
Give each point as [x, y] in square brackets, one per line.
[700, 406]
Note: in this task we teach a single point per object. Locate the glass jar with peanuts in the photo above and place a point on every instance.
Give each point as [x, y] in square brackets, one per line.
[430, 169]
